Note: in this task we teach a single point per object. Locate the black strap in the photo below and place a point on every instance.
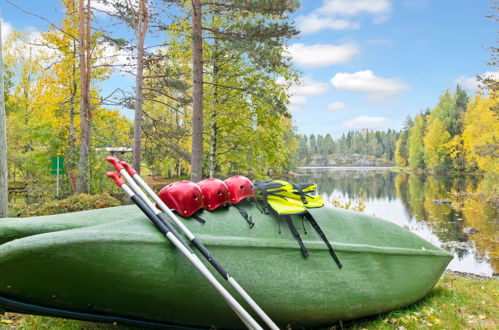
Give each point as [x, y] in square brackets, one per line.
[300, 192]
[258, 205]
[246, 216]
[303, 225]
[198, 218]
[296, 235]
[319, 231]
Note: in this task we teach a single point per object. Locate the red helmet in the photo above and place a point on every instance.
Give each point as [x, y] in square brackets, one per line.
[185, 197]
[215, 193]
[240, 187]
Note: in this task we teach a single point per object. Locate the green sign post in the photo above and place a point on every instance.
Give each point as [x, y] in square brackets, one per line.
[57, 169]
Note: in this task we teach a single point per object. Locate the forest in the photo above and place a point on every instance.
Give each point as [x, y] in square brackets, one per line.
[460, 134]
[210, 95]
[211, 92]
[354, 148]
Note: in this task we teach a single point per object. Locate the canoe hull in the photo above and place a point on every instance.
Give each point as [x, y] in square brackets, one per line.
[125, 268]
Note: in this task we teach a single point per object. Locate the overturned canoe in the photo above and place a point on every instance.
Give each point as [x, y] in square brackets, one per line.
[112, 264]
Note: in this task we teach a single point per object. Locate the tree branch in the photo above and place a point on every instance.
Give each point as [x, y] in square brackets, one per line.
[43, 18]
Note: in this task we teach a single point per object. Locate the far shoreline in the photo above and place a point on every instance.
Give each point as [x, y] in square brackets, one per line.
[348, 167]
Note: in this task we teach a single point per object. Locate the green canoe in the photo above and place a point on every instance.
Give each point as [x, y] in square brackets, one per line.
[113, 265]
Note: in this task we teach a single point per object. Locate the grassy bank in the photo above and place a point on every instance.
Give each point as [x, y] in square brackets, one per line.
[457, 302]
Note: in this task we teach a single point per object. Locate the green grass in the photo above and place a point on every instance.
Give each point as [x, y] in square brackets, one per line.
[457, 302]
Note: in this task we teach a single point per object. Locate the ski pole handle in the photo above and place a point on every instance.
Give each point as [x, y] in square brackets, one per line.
[116, 178]
[128, 168]
[115, 162]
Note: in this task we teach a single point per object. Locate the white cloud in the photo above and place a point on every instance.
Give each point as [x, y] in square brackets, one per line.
[120, 59]
[471, 84]
[308, 86]
[335, 106]
[320, 55]
[103, 8]
[367, 122]
[301, 92]
[339, 14]
[6, 29]
[355, 7]
[468, 83]
[313, 23]
[294, 108]
[297, 99]
[109, 8]
[378, 89]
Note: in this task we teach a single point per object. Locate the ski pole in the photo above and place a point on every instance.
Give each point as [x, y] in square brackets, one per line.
[168, 231]
[132, 176]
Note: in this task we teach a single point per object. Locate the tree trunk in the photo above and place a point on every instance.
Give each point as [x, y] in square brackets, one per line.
[197, 93]
[4, 192]
[214, 128]
[85, 101]
[140, 33]
[72, 129]
[213, 143]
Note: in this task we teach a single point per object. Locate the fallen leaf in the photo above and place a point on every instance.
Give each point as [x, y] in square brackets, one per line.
[471, 316]
[393, 320]
[7, 321]
[462, 310]
[482, 317]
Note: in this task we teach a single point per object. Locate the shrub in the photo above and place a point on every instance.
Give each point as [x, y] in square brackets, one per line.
[73, 203]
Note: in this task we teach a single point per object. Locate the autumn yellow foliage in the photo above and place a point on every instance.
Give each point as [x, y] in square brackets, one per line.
[481, 134]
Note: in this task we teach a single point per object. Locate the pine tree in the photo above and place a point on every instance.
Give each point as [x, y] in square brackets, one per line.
[415, 144]
[259, 28]
[312, 145]
[401, 146]
[86, 114]
[329, 144]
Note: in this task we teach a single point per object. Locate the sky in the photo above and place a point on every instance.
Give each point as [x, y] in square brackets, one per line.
[365, 63]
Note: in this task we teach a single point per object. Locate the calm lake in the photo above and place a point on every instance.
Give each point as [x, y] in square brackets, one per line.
[444, 210]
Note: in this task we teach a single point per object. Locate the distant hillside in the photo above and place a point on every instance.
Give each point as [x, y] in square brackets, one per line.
[355, 148]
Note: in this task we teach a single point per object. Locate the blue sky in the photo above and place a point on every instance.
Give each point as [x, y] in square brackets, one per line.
[397, 57]
[365, 63]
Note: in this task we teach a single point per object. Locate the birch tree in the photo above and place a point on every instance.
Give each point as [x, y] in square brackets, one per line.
[3, 141]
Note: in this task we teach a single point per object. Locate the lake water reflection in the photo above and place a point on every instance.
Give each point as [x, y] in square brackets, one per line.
[441, 209]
